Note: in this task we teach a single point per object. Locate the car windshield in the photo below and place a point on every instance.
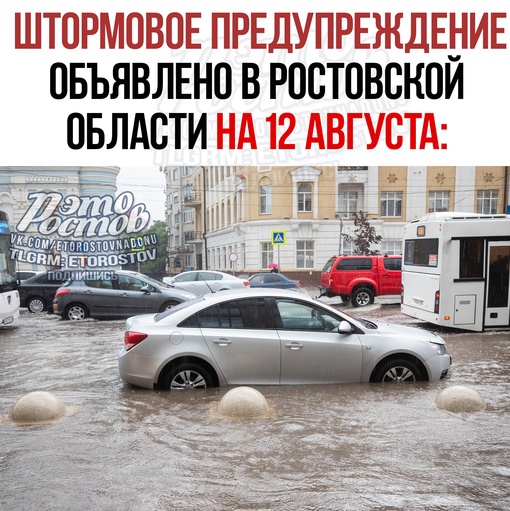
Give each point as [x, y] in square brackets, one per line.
[178, 307]
[152, 281]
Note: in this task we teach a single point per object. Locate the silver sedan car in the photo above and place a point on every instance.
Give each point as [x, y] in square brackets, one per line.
[206, 281]
[272, 337]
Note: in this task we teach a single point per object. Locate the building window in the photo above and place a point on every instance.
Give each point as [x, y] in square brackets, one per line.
[304, 254]
[304, 198]
[266, 254]
[265, 199]
[439, 201]
[391, 204]
[188, 215]
[487, 202]
[391, 247]
[177, 219]
[348, 203]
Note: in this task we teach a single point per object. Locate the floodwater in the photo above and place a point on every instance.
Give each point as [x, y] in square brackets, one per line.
[339, 447]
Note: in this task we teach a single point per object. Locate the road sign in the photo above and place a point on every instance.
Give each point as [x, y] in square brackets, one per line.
[278, 237]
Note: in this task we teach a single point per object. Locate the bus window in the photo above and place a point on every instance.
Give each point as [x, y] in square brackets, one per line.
[421, 252]
[471, 258]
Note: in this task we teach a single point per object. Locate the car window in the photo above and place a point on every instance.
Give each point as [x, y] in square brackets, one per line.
[49, 278]
[296, 315]
[208, 275]
[99, 283]
[329, 264]
[129, 283]
[273, 277]
[249, 313]
[394, 263]
[185, 277]
[256, 279]
[355, 264]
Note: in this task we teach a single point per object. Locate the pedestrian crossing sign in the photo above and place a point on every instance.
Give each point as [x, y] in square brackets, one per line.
[278, 237]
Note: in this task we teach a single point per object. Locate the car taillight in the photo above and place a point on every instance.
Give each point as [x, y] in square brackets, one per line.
[131, 339]
[246, 283]
[436, 303]
[62, 291]
[298, 284]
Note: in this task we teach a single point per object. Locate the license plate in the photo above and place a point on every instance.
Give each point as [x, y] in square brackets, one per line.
[8, 320]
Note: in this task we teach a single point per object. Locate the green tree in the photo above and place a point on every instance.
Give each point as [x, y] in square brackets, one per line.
[364, 235]
[157, 267]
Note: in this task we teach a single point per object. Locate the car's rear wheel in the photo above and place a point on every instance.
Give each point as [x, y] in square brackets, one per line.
[76, 312]
[362, 296]
[168, 305]
[188, 376]
[36, 305]
[398, 371]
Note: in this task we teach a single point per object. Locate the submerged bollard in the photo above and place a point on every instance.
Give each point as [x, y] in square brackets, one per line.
[460, 399]
[243, 402]
[38, 406]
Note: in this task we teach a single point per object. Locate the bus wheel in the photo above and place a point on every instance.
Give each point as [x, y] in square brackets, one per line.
[362, 296]
[397, 371]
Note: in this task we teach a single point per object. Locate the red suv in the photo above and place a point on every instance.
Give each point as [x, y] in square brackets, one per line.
[361, 278]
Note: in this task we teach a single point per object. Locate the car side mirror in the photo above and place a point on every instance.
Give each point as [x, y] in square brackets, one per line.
[145, 289]
[344, 327]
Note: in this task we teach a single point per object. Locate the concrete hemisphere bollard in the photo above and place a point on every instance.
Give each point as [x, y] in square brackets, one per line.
[460, 399]
[38, 406]
[244, 402]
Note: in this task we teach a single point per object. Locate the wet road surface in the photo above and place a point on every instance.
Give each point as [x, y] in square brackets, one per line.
[338, 447]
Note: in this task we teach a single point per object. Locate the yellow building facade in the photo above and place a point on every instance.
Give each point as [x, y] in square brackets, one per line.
[313, 206]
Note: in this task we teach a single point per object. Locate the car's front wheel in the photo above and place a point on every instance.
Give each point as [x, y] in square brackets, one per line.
[397, 371]
[167, 306]
[362, 296]
[76, 312]
[188, 376]
[36, 305]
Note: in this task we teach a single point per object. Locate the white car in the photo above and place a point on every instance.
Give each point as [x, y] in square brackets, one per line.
[272, 337]
[206, 281]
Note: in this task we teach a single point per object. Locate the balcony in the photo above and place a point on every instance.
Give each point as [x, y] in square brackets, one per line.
[193, 200]
[193, 237]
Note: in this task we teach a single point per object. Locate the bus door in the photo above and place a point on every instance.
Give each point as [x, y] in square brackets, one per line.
[497, 312]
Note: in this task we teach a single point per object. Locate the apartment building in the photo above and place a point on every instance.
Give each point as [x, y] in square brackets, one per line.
[234, 212]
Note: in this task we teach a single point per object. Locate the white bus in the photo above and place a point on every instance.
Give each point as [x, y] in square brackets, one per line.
[9, 297]
[455, 270]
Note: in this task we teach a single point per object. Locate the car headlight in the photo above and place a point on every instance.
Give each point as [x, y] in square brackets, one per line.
[440, 348]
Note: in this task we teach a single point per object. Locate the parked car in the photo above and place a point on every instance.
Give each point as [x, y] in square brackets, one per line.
[361, 278]
[272, 337]
[115, 294]
[37, 292]
[206, 281]
[271, 279]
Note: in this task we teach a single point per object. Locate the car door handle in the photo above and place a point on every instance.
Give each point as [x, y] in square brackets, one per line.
[222, 342]
[294, 345]
[123, 294]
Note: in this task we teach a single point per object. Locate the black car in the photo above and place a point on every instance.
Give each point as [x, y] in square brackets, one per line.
[37, 292]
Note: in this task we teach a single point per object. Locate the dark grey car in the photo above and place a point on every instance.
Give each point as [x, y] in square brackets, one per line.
[37, 292]
[114, 294]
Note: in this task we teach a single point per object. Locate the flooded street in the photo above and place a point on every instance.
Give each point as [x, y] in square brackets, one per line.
[338, 447]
